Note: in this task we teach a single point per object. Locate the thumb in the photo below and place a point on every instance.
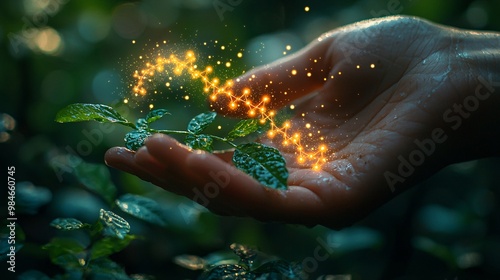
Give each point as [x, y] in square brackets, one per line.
[272, 86]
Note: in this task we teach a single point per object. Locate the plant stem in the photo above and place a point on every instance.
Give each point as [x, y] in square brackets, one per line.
[183, 132]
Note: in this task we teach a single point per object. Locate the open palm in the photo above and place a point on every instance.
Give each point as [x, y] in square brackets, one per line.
[371, 89]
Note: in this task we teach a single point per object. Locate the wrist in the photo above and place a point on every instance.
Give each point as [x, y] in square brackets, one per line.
[477, 122]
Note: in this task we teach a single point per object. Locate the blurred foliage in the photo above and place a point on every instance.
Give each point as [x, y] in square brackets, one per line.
[57, 52]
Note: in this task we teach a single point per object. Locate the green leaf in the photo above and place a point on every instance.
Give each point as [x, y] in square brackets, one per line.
[109, 245]
[243, 128]
[114, 225]
[141, 124]
[68, 224]
[106, 269]
[156, 115]
[263, 163]
[200, 142]
[87, 112]
[142, 207]
[200, 122]
[227, 271]
[66, 252]
[30, 197]
[96, 178]
[190, 262]
[135, 139]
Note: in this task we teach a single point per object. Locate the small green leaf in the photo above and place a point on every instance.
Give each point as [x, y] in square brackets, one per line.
[156, 115]
[114, 225]
[104, 268]
[141, 207]
[96, 178]
[30, 198]
[201, 121]
[68, 224]
[227, 271]
[141, 124]
[87, 112]
[135, 139]
[200, 142]
[263, 163]
[244, 128]
[65, 252]
[190, 262]
[109, 245]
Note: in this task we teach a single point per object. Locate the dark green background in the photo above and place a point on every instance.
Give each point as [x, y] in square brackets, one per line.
[446, 228]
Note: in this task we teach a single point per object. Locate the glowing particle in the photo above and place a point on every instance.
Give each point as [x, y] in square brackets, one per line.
[357, 66]
[288, 47]
[222, 47]
[228, 64]
[306, 8]
[292, 107]
[151, 106]
[294, 72]
[219, 127]
[308, 125]
[125, 100]
[240, 55]
[309, 74]
[186, 97]
[133, 41]
[372, 65]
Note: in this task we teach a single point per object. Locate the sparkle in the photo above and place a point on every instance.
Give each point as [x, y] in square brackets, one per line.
[306, 8]
[372, 65]
[174, 66]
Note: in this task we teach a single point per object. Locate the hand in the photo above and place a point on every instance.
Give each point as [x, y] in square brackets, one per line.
[377, 91]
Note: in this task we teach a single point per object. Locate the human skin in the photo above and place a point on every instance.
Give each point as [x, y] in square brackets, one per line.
[371, 116]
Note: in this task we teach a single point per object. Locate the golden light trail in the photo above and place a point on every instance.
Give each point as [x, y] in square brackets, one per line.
[305, 155]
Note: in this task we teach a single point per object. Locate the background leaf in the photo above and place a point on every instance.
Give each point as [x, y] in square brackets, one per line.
[200, 142]
[156, 115]
[90, 112]
[114, 225]
[109, 245]
[30, 197]
[68, 224]
[263, 163]
[135, 139]
[243, 128]
[201, 121]
[96, 178]
[65, 252]
[141, 207]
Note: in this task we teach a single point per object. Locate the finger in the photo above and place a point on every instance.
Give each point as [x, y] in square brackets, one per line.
[224, 184]
[276, 84]
[123, 159]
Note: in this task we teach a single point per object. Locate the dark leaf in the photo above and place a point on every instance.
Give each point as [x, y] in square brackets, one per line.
[141, 124]
[229, 272]
[114, 225]
[96, 178]
[156, 115]
[30, 197]
[67, 253]
[68, 224]
[244, 128]
[141, 207]
[200, 142]
[135, 139]
[109, 245]
[106, 269]
[190, 262]
[263, 163]
[87, 112]
[201, 121]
